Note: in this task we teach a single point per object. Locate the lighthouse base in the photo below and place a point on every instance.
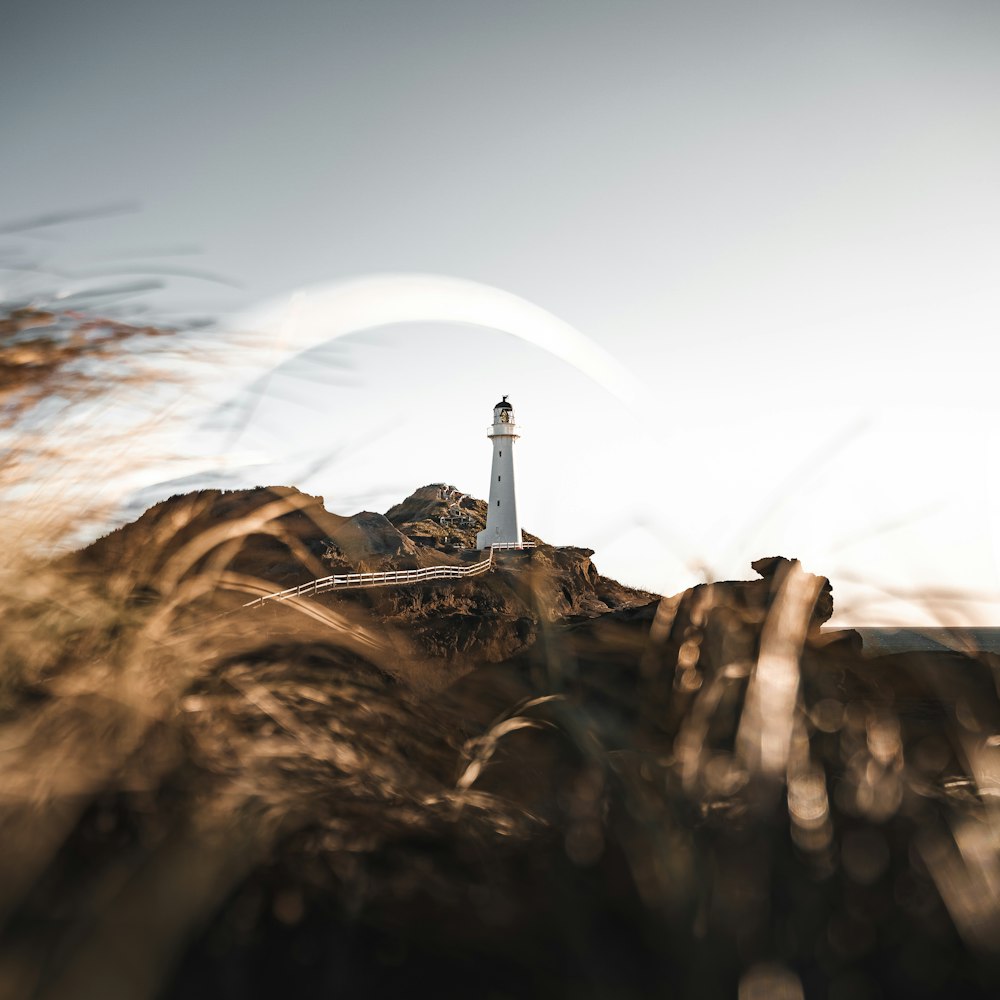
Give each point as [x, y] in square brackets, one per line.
[497, 536]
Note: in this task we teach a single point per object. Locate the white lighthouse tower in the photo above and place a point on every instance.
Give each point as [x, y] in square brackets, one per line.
[502, 525]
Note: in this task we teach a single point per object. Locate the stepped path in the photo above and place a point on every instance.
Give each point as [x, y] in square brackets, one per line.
[390, 578]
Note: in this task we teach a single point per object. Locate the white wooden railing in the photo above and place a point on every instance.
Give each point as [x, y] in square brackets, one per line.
[389, 578]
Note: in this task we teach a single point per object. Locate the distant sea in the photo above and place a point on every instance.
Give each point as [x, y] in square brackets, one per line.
[878, 641]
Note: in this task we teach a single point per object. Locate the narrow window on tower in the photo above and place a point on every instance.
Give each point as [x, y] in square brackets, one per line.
[501, 454]
[498, 503]
[498, 479]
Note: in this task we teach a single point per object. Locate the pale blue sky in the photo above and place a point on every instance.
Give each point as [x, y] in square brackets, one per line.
[781, 216]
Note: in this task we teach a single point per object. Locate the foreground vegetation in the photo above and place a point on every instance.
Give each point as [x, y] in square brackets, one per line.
[694, 798]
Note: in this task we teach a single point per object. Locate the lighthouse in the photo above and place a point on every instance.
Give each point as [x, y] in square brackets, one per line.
[502, 525]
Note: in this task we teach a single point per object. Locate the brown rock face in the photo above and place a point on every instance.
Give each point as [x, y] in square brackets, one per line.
[442, 517]
[368, 536]
[715, 629]
[277, 534]
[285, 537]
[489, 618]
[428, 502]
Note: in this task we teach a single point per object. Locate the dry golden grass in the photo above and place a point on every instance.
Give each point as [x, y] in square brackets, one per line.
[200, 801]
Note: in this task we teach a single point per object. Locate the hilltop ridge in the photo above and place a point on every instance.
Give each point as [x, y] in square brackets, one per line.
[283, 537]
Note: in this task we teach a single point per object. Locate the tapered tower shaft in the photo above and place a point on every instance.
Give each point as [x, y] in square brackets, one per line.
[502, 524]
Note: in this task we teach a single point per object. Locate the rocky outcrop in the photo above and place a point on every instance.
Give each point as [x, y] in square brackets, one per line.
[489, 618]
[276, 534]
[711, 635]
[283, 537]
[369, 537]
[443, 517]
[440, 516]
[430, 502]
[714, 624]
[483, 619]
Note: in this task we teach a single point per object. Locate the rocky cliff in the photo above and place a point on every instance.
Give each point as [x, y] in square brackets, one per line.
[283, 537]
